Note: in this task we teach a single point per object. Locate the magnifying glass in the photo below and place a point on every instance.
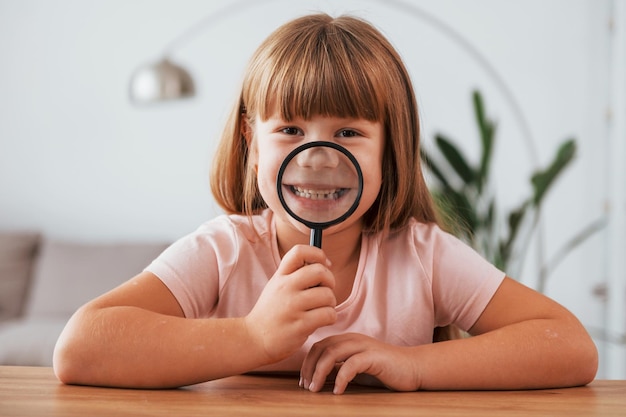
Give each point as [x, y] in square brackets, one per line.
[320, 185]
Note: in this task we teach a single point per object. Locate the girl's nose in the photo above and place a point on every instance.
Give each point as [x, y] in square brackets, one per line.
[319, 157]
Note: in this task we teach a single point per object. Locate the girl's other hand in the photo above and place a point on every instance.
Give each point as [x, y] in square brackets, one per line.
[353, 354]
[297, 300]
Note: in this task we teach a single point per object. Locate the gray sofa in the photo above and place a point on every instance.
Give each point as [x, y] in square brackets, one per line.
[43, 281]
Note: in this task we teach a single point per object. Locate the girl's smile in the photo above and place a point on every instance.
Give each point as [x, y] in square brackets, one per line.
[313, 194]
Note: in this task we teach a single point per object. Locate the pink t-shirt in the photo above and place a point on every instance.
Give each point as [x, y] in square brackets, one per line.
[415, 279]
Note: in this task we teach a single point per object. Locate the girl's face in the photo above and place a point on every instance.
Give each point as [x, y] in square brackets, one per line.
[275, 138]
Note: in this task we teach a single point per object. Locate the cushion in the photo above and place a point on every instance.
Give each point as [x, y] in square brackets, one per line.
[17, 251]
[68, 274]
[29, 342]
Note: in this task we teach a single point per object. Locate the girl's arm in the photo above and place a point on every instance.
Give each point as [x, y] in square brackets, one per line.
[136, 335]
[522, 340]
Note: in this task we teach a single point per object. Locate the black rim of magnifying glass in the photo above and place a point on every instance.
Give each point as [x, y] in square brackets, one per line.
[279, 185]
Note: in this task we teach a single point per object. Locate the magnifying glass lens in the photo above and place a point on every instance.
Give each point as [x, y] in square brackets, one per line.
[320, 185]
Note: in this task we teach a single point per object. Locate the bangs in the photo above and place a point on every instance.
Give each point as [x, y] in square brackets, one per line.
[325, 72]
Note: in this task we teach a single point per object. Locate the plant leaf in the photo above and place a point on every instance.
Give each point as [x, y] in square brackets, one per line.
[487, 133]
[515, 221]
[456, 159]
[432, 166]
[542, 180]
[490, 218]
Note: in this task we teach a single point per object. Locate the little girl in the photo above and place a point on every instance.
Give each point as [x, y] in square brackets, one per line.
[246, 293]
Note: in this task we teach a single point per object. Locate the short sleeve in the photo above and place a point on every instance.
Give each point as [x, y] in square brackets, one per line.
[193, 266]
[463, 282]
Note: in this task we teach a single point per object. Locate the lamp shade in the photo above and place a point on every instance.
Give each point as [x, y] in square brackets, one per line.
[160, 81]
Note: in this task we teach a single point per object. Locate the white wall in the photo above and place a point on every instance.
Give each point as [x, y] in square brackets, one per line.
[78, 161]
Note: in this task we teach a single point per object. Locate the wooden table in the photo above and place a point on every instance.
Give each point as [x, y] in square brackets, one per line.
[31, 391]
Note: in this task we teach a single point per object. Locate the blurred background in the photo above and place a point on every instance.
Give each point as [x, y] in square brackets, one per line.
[80, 161]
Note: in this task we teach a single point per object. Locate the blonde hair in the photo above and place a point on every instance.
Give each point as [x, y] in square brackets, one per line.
[343, 67]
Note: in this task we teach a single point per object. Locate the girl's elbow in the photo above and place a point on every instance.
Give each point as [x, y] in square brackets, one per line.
[581, 352]
[64, 363]
[588, 362]
[70, 360]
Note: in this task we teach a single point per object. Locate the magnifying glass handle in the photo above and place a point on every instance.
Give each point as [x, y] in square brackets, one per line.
[316, 238]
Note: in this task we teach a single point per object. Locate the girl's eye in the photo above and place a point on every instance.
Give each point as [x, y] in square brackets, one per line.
[347, 133]
[290, 130]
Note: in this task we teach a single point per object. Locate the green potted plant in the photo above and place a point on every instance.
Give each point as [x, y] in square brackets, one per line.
[461, 191]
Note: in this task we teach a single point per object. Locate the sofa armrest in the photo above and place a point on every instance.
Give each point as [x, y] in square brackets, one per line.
[17, 254]
[68, 274]
[25, 342]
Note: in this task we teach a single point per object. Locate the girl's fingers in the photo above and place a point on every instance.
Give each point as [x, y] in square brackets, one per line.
[322, 358]
[315, 297]
[320, 317]
[310, 363]
[306, 267]
[300, 256]
[355, 365]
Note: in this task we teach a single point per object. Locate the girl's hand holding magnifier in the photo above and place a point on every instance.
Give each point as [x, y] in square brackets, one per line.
[296, 301]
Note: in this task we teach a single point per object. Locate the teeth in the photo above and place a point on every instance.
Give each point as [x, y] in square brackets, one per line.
[317, 194]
